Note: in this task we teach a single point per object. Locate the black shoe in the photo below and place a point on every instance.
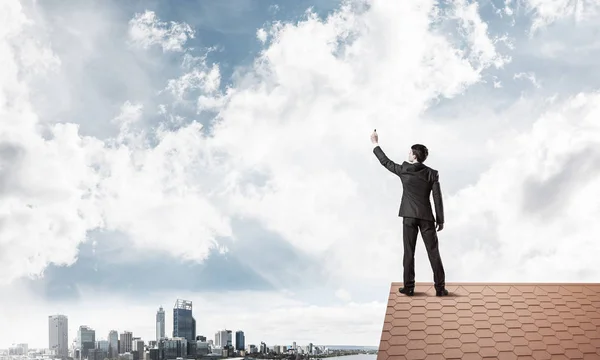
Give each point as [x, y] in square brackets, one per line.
[442, 292]
[407, 292]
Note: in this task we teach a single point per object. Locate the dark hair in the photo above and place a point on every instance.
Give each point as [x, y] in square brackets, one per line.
[420, 152]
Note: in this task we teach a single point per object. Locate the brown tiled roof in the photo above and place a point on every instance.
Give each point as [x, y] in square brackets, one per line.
[495, 321]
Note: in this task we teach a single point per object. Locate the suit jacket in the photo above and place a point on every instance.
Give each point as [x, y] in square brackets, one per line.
[418, 182]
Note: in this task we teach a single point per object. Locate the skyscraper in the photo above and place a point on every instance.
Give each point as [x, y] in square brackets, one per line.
[221, 339]
[160, 323]
[125, 342]
[113, 344]
[240, 340]
[137, 348]
[184, 324]
[58, 335]
[229, 339]
[138, 345]
[86, 339]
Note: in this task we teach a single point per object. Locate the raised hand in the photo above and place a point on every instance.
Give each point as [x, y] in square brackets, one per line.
[374, 137]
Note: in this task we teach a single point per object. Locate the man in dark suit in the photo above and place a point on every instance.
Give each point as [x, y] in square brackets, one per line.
[418, 182]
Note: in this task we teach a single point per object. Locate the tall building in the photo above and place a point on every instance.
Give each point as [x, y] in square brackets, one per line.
[125, 342]
[184, 324]
[221, 338]
[113, 344]
[173, 348]
[86, 339]
[240, 340]
[137, 348]
[101, 351]
[58, 335]
[137, 345]
[160, 323]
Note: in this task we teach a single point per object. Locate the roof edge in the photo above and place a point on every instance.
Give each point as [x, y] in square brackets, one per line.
[394, 283]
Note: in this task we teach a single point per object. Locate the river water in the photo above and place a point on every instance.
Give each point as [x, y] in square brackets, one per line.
[354, 357]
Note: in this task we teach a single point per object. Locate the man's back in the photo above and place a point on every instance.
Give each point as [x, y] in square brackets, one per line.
[418, 182]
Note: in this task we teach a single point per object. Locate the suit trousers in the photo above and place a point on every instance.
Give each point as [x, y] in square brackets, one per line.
[428, 232]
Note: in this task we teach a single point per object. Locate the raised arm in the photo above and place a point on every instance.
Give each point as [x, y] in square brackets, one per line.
[383, 159]
[386, 162]
[437, 200]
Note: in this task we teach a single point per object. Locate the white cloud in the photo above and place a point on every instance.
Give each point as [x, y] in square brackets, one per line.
[129, 116]
[261, 35]
[200, 77]
[550, 11]
[507, 7]
[482, 46]
[529, 76]
[153, 194]
[525, 220]
[45, 207]
[146, 30]
[300, 118]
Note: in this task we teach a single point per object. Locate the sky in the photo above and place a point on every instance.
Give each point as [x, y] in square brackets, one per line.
[219, 152]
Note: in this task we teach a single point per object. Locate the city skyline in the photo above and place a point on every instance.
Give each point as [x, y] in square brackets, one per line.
[219, 152]
[101, 335]
[87, 335]
[88, 338]
[87, 347]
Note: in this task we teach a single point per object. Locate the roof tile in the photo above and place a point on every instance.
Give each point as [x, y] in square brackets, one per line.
[493, 321]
